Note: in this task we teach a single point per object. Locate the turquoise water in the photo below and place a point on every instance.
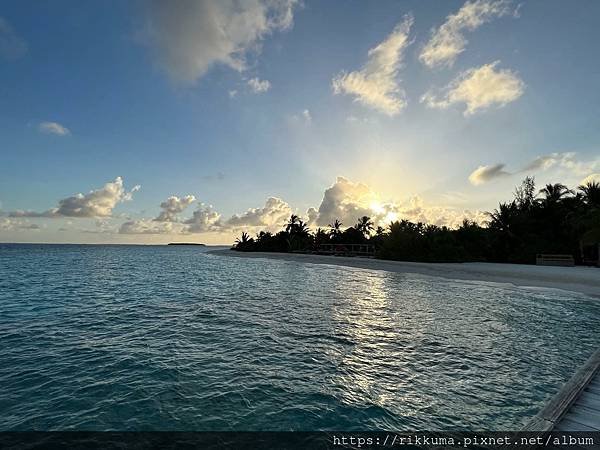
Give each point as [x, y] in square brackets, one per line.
[173, 338]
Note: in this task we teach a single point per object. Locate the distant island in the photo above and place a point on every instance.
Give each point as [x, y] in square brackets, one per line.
[186, 243]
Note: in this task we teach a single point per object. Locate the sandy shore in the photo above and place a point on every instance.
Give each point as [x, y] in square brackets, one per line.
[585, 280]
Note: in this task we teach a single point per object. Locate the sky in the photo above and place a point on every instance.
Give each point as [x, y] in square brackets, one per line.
[154, 122]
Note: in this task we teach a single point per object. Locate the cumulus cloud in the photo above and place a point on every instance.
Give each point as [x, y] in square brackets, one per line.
[11, 45]
[592, 178]
[190, 36]
[96, 203]
[272, 216]
[483, 174]
[346, 201]
[203, 220]
[479, 89]
[145, 226]
[376, 84]
[8, 224]
[53, 128]
[448, 41]
[173, 206]
[416, 210]
[258, 86]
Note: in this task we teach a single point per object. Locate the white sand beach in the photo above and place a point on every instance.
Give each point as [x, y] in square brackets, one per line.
[585, 280]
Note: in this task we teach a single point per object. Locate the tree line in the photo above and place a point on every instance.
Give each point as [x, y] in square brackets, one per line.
[552, 220]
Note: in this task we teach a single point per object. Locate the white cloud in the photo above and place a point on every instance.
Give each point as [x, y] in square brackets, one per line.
[448, 41]
[53, 128]
[11, 45]
[203, 220]
[415, 210]
[302, 118]
[564, 164]
[483, 174]
[479, 89]
[592, 178]
[8, 224]
[347, 201]
[173, 206]
[191, 36]
[272, 216]
[96, 203]
[145, 226]
[258, 86]
[567, 161]
[232, 93]
[376, 84]
[307, 116]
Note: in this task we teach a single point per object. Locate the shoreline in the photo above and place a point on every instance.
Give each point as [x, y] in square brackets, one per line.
[583, 280]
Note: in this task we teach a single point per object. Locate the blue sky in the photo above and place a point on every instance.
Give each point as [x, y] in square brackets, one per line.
[235, 103]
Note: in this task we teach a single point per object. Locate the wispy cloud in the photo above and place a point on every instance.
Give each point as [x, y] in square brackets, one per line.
[301, 118]
[479, 89]
[448, 41]
[567, 163]
[190, 36]
[11, 45]
[376, 85]
[484, 174]
[259, 86]
[53, 128]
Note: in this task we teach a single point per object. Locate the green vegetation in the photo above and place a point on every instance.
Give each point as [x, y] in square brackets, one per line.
[553, 220]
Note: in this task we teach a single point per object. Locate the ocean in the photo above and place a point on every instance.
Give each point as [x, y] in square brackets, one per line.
[177, 338]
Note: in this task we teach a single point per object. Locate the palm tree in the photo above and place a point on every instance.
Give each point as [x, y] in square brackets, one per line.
[504, 217]
[244, 242]
[291, 225]
[302, 228]
[297, 226]
[364, 225]
[554, 192]
[243, 239]
[591, 193]
[336, 228]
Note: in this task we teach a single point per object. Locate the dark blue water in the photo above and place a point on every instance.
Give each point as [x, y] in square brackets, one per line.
[173, 338]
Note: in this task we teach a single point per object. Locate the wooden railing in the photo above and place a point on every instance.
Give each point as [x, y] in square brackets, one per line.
[554, 260]
[346, 249]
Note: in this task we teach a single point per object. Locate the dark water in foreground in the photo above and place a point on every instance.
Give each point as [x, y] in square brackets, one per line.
[172, 338]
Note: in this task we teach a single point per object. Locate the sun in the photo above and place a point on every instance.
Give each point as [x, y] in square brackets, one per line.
[377, 208]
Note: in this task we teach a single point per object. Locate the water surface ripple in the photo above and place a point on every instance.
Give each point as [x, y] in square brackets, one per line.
[173, 338]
